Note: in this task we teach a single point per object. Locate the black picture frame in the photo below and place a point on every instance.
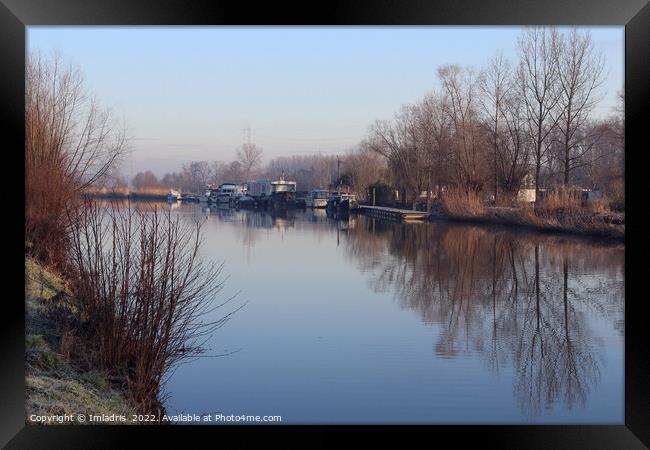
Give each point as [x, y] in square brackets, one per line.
[16, 15]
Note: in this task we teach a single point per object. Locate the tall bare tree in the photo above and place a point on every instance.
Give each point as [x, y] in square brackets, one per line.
[580, 74]
[515, 147]
[399, 142]
[364, 167]
[434, 128]
[539, 85]
[494, 85]
[460, 89]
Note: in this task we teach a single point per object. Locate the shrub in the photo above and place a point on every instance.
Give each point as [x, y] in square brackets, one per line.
[144, 293]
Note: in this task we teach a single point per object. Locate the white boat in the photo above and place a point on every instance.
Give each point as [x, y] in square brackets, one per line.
[173, 196]
[228, 193]
[317, 198]
[342, 201]
[280, 186]
[209, 195]
[273, 194]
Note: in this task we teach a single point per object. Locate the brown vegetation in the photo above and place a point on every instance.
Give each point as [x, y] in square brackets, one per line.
[144, 298]
[145, 295]
[71, 143]
[462, 203]
[561, 210]
[506, 127]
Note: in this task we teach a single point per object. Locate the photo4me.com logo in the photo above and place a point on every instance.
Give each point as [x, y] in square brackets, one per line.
[246, 418]
[221, 418]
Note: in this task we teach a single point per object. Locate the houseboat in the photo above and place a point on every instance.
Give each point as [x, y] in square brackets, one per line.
[273, 194]
[317, 198]
[343, 202]
[209, 195]
[227, 193]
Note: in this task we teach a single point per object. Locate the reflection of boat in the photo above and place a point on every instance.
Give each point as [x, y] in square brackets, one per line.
[173, 196]
[191, 198]
[245, 201]
[317, 198]
[317, 215]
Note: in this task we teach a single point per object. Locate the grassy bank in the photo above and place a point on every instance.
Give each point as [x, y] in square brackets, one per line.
[554, 214]
[59, 375]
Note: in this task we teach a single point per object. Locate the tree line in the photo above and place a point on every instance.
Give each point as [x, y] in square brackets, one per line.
[528, 123]
[487, 130]
[356, 169]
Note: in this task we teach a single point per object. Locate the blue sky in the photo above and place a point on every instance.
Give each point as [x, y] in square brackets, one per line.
[188, 93]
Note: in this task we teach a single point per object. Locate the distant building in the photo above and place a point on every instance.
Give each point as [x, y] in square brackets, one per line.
[526, 193]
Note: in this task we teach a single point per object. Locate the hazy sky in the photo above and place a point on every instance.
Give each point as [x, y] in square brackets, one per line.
[188, 93]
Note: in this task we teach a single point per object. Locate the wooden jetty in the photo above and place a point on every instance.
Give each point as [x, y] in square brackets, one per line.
[384, 212]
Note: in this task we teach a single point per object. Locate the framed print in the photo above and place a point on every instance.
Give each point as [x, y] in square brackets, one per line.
[398, 220]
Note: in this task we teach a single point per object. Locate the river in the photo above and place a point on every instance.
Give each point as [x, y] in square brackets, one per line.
[369, 321]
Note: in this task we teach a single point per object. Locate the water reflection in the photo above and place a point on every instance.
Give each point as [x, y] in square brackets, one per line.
[513, 299]
[353, 319]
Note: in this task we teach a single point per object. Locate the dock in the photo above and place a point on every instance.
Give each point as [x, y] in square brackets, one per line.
[384, 212]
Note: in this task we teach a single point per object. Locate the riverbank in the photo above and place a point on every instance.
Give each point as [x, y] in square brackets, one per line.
[575, 221]
[59, 374]
[127, 196]
[150, 194]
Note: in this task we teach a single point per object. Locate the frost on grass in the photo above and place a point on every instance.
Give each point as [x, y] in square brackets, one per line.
[57, 383]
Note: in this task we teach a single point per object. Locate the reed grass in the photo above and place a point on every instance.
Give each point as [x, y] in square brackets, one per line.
[560, 210]
[461, 203]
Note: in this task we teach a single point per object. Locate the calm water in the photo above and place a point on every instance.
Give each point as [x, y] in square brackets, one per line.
[368, 321]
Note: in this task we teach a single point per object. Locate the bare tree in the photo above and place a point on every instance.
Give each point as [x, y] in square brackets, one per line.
[460, 88]
[363, 167]
[539, 88]
[234, 172]
[71, 143]
[308, 171]
[145, 180]
[494, 86]
[580, 72]
[399, 142]
[514, 151]
[433, 130]
[200, 174]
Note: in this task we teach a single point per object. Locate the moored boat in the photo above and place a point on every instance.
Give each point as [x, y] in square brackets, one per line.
[273, 194]
[317, 198]
[342, 201]
[173, 196]
[226, 194]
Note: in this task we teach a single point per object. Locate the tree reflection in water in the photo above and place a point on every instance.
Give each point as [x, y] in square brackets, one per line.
[513, 298]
